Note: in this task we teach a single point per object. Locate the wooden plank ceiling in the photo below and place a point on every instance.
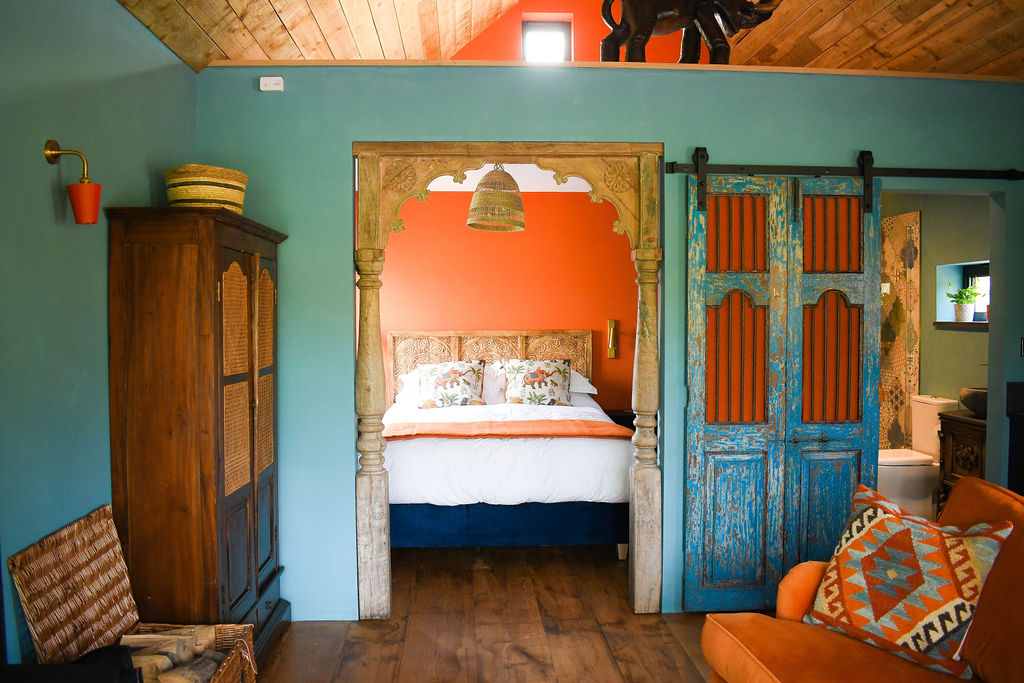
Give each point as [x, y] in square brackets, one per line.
[977, 37]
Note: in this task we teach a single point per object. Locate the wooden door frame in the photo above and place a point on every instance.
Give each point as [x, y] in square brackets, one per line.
[391, 173]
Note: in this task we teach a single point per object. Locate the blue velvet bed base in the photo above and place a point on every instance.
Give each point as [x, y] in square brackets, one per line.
[483, 525]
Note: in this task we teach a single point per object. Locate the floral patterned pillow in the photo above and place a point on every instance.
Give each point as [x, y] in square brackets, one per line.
[456, 383]
[538, 382]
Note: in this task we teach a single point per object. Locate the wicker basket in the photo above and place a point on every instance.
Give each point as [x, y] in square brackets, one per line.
[195, 185]
[76, 595]
[233, 639]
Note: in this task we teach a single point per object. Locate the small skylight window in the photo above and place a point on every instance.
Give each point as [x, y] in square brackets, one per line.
[547, 41]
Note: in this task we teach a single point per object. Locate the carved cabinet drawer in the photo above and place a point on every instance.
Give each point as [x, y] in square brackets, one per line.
[962, 436]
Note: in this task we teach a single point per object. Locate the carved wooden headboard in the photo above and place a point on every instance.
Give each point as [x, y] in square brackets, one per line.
[408, 349]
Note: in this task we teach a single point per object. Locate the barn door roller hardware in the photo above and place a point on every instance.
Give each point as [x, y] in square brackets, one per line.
[700, 163]
[865, 169]
[866, 161]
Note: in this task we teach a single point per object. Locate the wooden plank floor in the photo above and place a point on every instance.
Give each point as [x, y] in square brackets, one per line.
[498, 614]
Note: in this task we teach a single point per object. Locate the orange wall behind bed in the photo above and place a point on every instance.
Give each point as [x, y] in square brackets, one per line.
[503, 40]
[567, 270]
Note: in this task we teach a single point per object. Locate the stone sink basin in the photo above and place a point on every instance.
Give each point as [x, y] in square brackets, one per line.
[975, 399]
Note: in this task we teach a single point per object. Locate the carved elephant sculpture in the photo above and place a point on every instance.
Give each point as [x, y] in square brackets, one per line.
[713, 20]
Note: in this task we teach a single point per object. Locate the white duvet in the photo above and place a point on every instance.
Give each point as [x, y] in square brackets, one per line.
[506, 471]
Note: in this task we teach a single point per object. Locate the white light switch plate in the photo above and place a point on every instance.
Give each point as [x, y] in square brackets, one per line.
[886, 287]
[271, 83]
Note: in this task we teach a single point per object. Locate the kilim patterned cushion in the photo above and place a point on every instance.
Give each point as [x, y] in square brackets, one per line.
[904, 584]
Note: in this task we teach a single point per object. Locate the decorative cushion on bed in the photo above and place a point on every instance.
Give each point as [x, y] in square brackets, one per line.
[494, 383]
[539, 382]
[456, 383]
[578, 384]
[904, 584]
[410, 388]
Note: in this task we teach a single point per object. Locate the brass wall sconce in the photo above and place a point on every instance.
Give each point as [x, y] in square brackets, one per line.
[613, 338]
[85, 194]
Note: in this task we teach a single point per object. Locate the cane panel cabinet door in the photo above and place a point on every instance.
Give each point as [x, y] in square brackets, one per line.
[193, 364]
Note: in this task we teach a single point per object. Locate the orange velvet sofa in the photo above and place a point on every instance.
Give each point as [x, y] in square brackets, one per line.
[743, 646]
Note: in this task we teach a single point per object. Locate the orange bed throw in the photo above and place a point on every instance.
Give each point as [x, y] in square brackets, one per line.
[508, 429]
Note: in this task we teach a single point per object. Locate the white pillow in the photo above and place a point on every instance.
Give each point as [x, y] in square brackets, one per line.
[494, 384]
[410, 392]
[578, 384]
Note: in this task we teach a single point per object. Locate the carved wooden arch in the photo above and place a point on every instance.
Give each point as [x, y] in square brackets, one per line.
[391, 173]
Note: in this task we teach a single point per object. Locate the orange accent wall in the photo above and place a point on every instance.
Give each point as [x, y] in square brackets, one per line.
[503, 40]
[567, 270]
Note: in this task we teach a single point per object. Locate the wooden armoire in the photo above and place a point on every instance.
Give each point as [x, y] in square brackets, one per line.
[193, 420]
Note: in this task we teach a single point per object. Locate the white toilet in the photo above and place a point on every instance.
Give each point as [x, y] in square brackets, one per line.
[908, 477]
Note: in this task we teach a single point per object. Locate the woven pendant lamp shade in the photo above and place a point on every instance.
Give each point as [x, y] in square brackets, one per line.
[497, 204]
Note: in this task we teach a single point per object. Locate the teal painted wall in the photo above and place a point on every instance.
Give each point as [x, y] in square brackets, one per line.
[88, 74]
[954, 229]
[296, 148]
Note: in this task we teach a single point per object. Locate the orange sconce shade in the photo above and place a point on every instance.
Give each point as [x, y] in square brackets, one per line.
[85, 194]
[85, 202]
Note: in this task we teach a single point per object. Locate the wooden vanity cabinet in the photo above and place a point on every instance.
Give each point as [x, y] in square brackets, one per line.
[193, 370]
[962, 443]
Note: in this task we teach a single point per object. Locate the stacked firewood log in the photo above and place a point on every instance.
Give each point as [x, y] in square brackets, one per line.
[180, 655]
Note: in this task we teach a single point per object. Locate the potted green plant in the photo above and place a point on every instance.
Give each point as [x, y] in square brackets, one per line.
[963, 302]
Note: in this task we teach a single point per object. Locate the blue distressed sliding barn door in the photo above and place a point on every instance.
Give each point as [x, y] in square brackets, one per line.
[832, 383]
[782, 377]
[736, 406]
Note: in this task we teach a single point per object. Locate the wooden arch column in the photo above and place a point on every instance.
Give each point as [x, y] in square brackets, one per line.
[391, 173]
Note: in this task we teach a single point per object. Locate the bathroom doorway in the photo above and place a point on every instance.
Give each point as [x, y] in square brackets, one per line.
[921, 233]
